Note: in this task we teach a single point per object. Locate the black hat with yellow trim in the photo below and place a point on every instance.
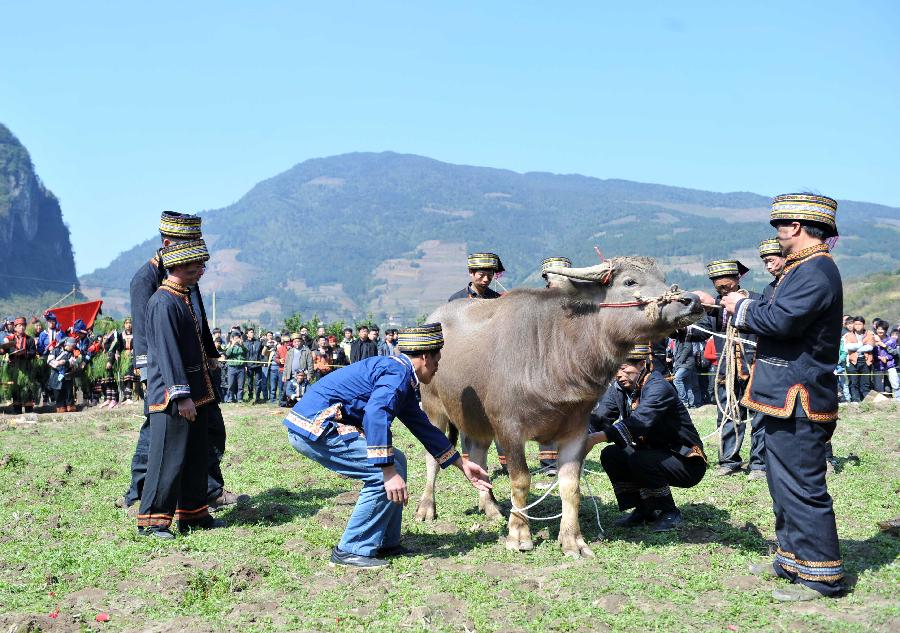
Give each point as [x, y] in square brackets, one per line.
[770, 246]
[485, 261]
[183, 253]
[554, 262]
[180, 226]
[805, 207]
[726, 268]
[640, 351]
[428, 337]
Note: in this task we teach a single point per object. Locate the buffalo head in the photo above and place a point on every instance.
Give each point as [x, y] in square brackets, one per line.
[624, 280]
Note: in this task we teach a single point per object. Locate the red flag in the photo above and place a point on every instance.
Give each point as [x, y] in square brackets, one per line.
[67, 315]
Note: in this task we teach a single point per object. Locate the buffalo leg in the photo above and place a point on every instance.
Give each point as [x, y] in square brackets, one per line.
[571, 457]
[487, 503]
[427, 510]
[519, 537]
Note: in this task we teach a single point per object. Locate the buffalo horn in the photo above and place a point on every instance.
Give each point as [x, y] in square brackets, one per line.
[591, 273]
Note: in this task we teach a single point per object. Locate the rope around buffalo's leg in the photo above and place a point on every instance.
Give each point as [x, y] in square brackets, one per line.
[522, 511]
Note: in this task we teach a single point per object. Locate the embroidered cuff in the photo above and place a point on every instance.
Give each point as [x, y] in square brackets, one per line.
[380, 455]
[740, 313]
[624, 432]
[178, 391]
[448, 457]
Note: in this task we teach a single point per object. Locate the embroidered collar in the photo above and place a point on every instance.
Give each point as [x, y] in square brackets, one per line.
[403, 359]
[171, 286]
[806, 253]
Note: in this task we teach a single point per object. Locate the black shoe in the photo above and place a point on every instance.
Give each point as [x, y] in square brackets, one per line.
[207, 524]
[636, 518]
[668, 520]
[156, 532]
[340, 557]
[396, 550]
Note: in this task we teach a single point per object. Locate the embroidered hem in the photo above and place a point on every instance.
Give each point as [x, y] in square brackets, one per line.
[790, 402]
[819, 571]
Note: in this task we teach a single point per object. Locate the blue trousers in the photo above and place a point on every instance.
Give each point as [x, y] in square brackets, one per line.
[274, 378]
[375, 521]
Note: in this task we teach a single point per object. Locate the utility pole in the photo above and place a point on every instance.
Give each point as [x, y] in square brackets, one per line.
[214, 309]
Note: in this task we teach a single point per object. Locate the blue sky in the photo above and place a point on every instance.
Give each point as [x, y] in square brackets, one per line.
[131, 108]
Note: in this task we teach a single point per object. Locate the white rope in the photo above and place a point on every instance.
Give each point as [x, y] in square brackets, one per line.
[521, 511]
[722, 336]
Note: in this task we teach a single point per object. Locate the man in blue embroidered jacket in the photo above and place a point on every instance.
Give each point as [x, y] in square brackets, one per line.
[180, 394]
[343, 422]
[174, 228]
[794, 386]
[654, 443]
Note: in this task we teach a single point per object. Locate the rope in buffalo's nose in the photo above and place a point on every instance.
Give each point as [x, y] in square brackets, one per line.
[522, 511]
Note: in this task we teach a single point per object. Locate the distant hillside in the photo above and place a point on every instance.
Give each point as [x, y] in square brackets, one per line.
[388, 233]
[874, 296]
[35, 251]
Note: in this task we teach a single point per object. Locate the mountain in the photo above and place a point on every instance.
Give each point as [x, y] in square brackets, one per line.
[876, 295]
[388, 233]
[35, 250]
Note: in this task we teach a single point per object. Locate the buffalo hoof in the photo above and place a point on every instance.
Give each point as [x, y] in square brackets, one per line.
[577, 548]
[426, 510]
[515, 545]
[490, 509]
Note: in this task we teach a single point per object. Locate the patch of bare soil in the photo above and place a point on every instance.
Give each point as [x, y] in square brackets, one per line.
[180, 625]
[174, 563]
[741, 582]
[62, 623]
[612, 603]
[247, 574]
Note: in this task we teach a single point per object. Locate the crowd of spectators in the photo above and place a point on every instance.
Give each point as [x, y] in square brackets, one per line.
[869, 361]
[280, 366]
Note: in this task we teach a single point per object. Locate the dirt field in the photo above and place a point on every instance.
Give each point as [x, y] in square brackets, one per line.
[67, 550]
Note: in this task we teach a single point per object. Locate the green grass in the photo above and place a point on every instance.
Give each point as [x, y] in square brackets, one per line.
[65, 546]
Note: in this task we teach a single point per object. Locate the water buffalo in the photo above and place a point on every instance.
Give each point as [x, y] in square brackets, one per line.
[531, 366]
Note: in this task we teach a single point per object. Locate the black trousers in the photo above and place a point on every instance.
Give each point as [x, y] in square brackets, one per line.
[808, 550]
[215, 481]
[175, 487]
[548, 454]
[65, 395]
[733, 434]
[860, 379]
[641, 477]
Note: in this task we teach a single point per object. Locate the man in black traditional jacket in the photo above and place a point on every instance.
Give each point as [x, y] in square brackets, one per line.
[654, 443]
[180, 395]
[726, 277]
[174, 228]
[793, 384]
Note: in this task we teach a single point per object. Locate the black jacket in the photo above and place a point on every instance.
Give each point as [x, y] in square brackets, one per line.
[146, 280]
[361, 350]
[468, 293]
[654, 417]
[799, 337]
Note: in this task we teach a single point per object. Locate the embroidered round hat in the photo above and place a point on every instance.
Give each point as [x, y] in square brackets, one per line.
[641, 351]
[726, 268]
[770, 246]
[427, 337]
[180, 226]
[555, 262]
[183, 253]
[485, 261]
[806, 207]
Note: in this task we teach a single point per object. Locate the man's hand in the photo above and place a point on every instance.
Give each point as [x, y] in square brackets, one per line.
[474, 473]
[729, 301]
[187, 410]
[394, 486]
[595, 438]
[704, 296]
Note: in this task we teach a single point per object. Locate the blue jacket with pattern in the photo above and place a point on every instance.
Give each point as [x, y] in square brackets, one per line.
[363, 399]
[798, 339]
